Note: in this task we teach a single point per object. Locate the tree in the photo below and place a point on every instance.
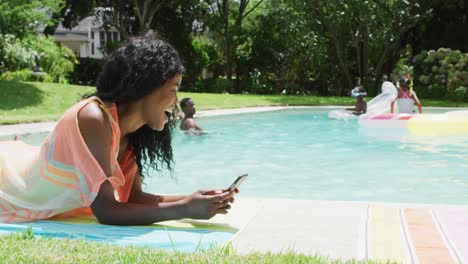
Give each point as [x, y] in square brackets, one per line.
[132, 17]
[70, 14]
[184, 27]
[23, 17]
[20, 45]
[285, 53]
[230, 15]
[118, 14]
[447, 27]
[365, 38]
[146, 10]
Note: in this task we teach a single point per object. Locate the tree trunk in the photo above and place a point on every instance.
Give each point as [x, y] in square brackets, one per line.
[379, 72]
[365, 56]
[344, 69]
[228, 55]
[146, 11]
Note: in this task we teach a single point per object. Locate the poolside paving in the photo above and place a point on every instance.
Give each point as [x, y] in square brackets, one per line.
[406, 233]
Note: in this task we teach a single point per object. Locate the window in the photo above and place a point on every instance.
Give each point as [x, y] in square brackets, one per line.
[105, 37]
[92, 42]
[108, 37]
[102, 40]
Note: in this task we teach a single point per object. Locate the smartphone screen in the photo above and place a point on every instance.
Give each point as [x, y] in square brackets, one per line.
[237, 182]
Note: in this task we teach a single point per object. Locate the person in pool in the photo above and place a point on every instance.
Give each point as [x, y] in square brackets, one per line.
[361, 104]
[406, 98]
[95, 159]
[188, 123]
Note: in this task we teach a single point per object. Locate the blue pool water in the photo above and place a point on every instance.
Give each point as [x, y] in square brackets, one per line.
[301, 154]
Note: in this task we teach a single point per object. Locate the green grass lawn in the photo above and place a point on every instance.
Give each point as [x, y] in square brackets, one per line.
[25, 248]
[22, 102]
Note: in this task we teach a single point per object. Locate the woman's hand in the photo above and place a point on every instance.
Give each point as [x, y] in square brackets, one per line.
[205, 204]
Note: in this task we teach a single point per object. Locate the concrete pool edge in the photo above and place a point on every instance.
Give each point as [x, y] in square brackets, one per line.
[348, 229]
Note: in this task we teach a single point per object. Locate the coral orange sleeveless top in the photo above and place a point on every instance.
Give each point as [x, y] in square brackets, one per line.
[61, 175]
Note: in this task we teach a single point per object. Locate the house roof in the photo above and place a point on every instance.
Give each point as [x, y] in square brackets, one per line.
[81, 29]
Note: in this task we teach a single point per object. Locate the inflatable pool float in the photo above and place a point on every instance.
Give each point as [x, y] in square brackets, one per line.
[385, 120]
[378, 105]
[341, 114]
[453, 122]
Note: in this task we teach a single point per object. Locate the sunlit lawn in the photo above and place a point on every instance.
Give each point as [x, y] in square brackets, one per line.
[33, 102]
[25, 248]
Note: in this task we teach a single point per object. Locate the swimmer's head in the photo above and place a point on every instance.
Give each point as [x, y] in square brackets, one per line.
[358, 91]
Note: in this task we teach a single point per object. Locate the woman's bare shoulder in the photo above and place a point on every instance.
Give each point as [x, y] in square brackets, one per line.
[93, 123]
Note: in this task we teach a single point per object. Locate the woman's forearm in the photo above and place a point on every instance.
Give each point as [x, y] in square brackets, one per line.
[117, 213]
[148, 198]
[172, 198]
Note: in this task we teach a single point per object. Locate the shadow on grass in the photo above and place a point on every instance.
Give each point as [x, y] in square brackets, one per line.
[19, 94]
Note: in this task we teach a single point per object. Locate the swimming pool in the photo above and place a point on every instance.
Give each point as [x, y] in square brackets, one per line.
[301, 154]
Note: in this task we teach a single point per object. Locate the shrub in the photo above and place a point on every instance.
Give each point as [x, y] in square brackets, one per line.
[442, 74]
[205, 55]
[14, 55]
[223, 85]
[57, 61]
[86, 71]
[21, 75]
[19, 54]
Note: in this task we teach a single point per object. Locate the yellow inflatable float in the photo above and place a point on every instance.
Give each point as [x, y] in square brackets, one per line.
[453, 122]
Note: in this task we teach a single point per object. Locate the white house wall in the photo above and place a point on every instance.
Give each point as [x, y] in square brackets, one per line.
[79, 40]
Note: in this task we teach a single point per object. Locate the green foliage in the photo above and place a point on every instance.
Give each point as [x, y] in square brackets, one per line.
[86, 71]
[285, 52]
[57, 61]
[205, 55]
[223, 85]
[20, 75]
[216, 85]
[110, 46]
[442, 73]
[447, 28]
[178, 22]
[362, 38]
[14, 54]
[22, 17]
[28, 233]
[19, 54]
[229, 21]
[402, 67]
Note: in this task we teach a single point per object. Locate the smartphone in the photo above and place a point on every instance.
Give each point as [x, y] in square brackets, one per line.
[237, 182]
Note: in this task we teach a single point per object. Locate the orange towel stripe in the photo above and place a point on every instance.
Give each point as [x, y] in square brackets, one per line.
[427, 241]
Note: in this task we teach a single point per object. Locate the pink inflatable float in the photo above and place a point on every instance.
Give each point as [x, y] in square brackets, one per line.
[395, 120]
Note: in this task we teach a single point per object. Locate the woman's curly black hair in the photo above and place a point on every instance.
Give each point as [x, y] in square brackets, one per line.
[133, 71]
